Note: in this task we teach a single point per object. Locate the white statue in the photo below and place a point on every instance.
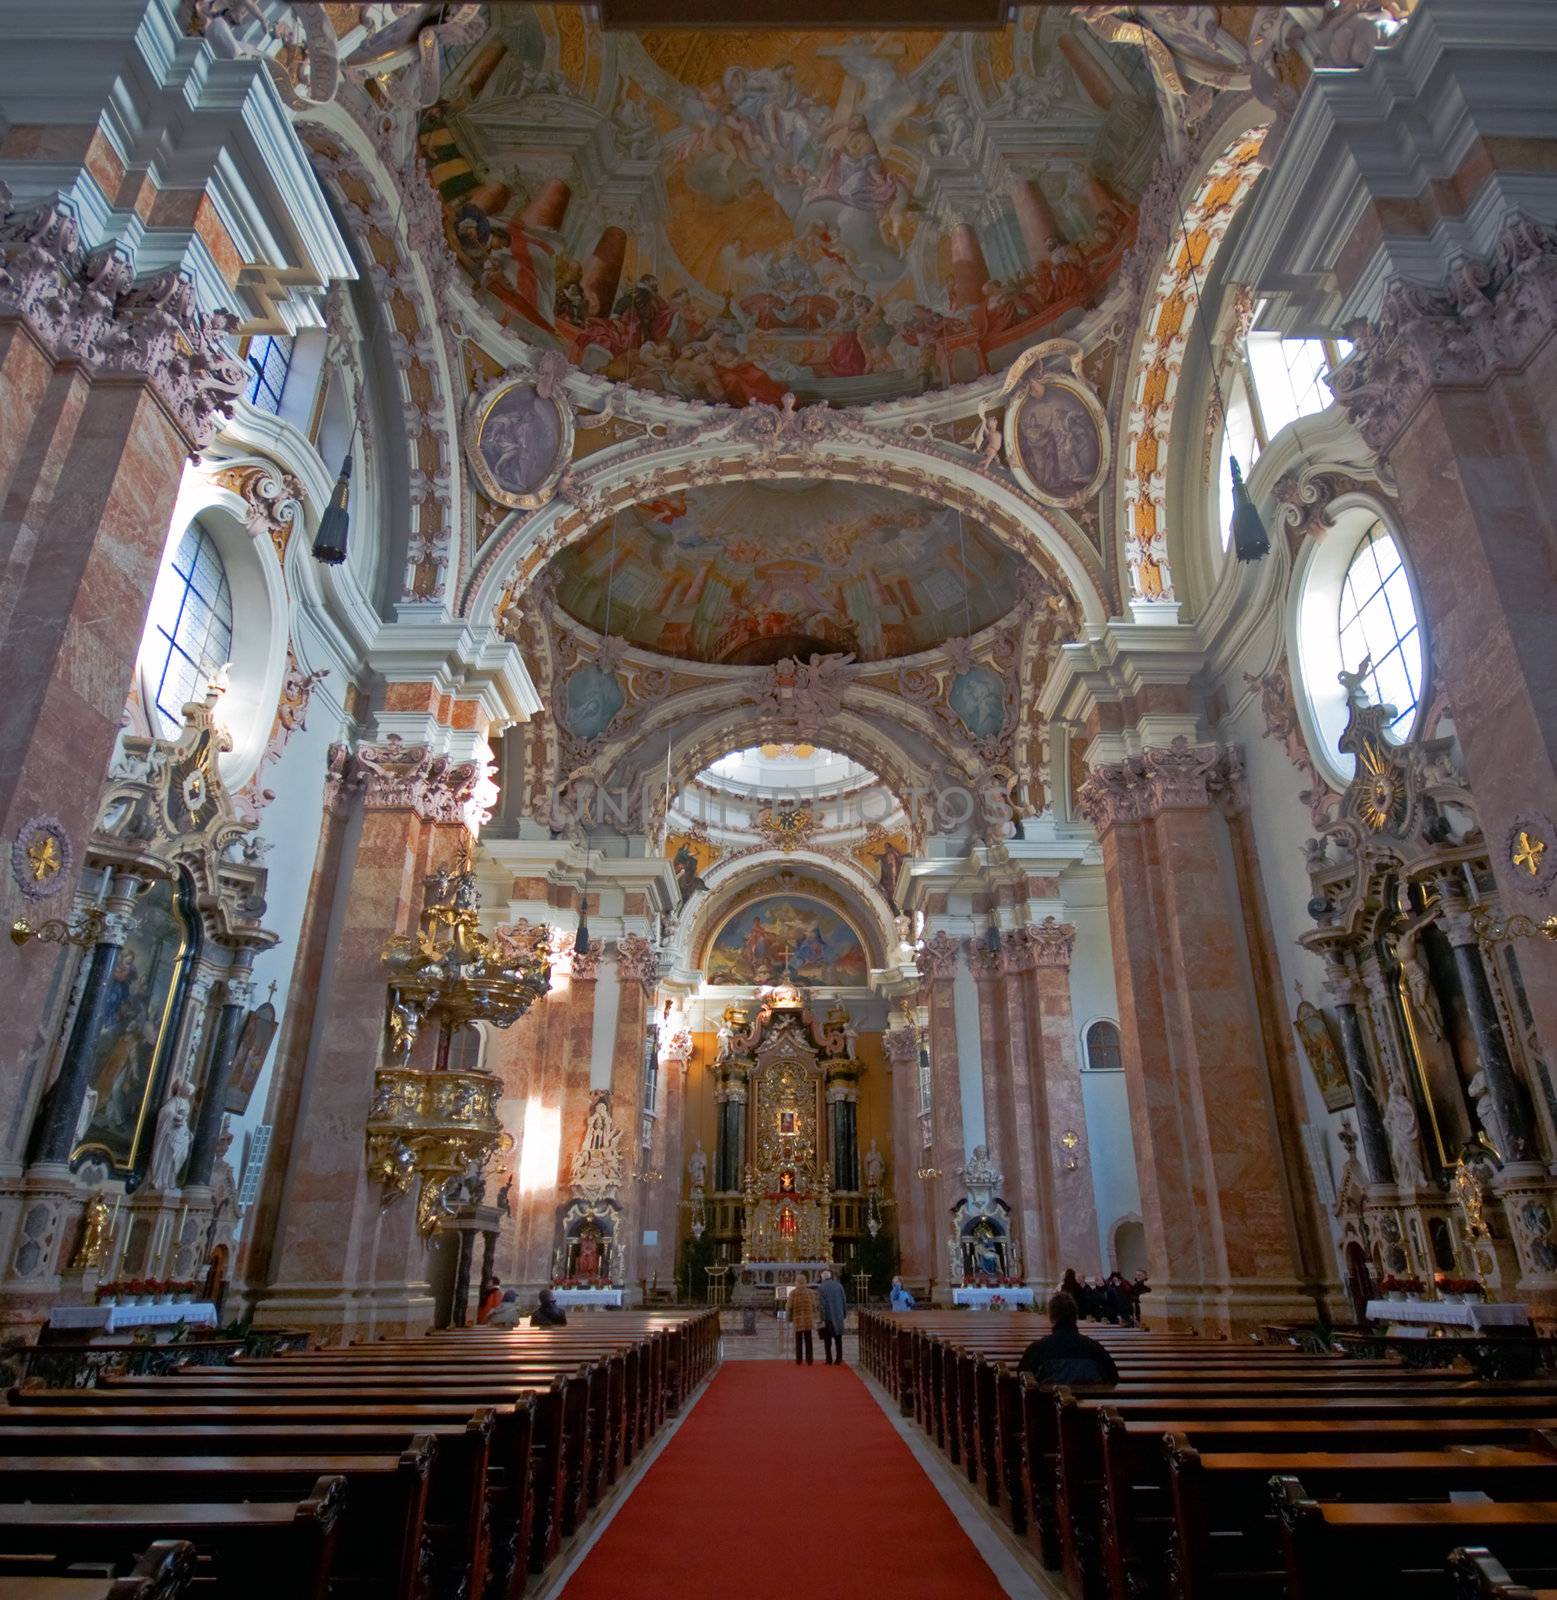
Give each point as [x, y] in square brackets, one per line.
[599, 1167]
[875, 1167]
[697, 1166]
[1487, 1113]
[170, 1144]
[981, 1179]
[1404, 1131]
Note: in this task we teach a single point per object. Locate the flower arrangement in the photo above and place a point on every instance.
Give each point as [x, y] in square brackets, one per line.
[1452, 1288]
[142, 1291]
[1401, 1286]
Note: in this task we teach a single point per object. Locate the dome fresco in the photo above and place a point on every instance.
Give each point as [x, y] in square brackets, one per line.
[730, 215]
[750, 573]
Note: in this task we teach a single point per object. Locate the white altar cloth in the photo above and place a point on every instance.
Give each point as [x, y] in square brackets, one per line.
[982, 1299]
[1472, 1314]
[589, 1297]
[111, 1319]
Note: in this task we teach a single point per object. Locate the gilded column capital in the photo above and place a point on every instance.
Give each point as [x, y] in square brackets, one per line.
[1488, 317]
[937, 958]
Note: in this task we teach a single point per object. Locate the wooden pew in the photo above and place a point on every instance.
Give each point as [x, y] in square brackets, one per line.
[1479, 1575]
[1361, 1550]
[253, 1551]
[163, 1573]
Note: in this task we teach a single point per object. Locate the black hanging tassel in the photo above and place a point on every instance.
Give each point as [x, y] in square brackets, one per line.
[335, 524]
[1250, 540]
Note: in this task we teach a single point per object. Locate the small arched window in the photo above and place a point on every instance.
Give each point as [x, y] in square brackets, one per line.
[1377, 621]
[189, 631]
[1103, 1051]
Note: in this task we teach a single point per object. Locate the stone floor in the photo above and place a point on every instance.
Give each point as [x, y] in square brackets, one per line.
[773, 1340]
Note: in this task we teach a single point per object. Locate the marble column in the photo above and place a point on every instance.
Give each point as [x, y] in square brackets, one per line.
[985, 964]
[637, 971]
[1028, 1159]
[90, 464]
[915, 1252]
[1220, 1226]
[1071, 1193]
[344, 1264]
[938, 971]
[1346, 994]
[213, 1093]
[1455, 388]
[1040, 231]
[1509, 1103]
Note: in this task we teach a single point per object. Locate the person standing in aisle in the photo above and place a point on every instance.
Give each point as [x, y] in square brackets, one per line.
[834, 1304]
[802, 1318]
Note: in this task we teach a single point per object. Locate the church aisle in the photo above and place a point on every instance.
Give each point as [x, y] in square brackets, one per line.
[784, 1481]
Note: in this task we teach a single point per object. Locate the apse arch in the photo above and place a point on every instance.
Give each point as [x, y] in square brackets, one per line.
[755, 444]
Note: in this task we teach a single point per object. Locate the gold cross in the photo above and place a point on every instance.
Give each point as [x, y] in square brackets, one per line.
[43, 854]
[1528, 853]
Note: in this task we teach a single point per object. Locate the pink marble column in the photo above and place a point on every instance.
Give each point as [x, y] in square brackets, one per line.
[915, 1246]
[1220, 1227]
[90, 462]
[1071, 1193]
[938, 970]
[994, 1057]
[1029, 1181]
[637, 972]
[1040, 231]
[1455, 389]
[969, 273]
[343, 1264]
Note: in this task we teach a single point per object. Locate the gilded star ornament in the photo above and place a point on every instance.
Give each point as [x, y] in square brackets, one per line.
[45, 857]
[40, 857]
[1528, 850]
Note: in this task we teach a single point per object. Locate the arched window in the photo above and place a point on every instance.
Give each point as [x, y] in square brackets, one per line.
[189, 631]
[1377, 619]
[1103, 1051]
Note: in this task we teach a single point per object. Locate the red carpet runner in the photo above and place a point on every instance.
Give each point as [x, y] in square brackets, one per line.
[784, 1482]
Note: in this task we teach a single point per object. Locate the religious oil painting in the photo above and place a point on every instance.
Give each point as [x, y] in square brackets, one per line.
[254, 1040]
[1324, 1059]
[1058, 441]
[690, 858]
[748, 574]
[979, 699]
[519, 441]
[787, 938]
[732, 215]
[128, 1050]
[594, 696]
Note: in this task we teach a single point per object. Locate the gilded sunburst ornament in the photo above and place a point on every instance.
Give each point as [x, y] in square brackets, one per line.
[1380, 789]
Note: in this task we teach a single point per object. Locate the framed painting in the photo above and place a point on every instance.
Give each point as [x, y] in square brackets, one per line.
[130, 1052]
[259, 1028]
[1324, 1059]
[519, 441]
[1057, 441]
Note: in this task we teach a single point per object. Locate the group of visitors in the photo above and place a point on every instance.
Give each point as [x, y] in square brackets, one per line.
[1113, 1299]
[499, 1307]
[826, 1306]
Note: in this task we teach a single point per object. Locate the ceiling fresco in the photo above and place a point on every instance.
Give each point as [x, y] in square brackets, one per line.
[752, 573]
[729, 215]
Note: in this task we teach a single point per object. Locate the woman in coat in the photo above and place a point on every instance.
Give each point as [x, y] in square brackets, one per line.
[802, 1317]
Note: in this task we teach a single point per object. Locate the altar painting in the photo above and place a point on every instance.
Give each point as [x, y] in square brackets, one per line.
[789, 197]
[139, 1023]
[787, 937]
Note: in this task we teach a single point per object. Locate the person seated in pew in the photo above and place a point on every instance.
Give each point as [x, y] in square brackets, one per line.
[902, 1300]
[505, 1314]
[1066, 1355]
[548, 1314]
[491, 1298]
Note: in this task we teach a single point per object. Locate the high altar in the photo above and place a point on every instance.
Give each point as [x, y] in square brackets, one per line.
[792, 1063]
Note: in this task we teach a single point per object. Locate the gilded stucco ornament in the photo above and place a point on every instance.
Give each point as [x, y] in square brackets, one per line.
[41, 857]
[1532, 851]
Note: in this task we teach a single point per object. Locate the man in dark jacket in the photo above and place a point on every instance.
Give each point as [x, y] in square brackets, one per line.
[1067, 1355]
[833, 1305]
[548, 1314]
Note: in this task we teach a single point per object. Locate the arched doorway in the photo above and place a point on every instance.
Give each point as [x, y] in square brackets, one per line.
[1129, 1246]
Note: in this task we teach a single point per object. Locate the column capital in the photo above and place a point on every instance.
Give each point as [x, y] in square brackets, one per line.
[1051, 942]
[396, 776]
[937, 958]
[637, 961]
[1177, 777]
[984, 963]
[901, 1046]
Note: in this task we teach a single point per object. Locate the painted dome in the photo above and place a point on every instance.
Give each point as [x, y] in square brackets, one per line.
[753, 572]
[728, 216]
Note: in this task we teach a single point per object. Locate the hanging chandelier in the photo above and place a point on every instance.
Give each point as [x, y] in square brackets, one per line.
[437, 1124]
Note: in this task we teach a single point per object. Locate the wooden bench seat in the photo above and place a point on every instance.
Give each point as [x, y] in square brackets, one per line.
[1479, 1575]
[244, 1551]
[1359, 1550]
[162, 1573]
